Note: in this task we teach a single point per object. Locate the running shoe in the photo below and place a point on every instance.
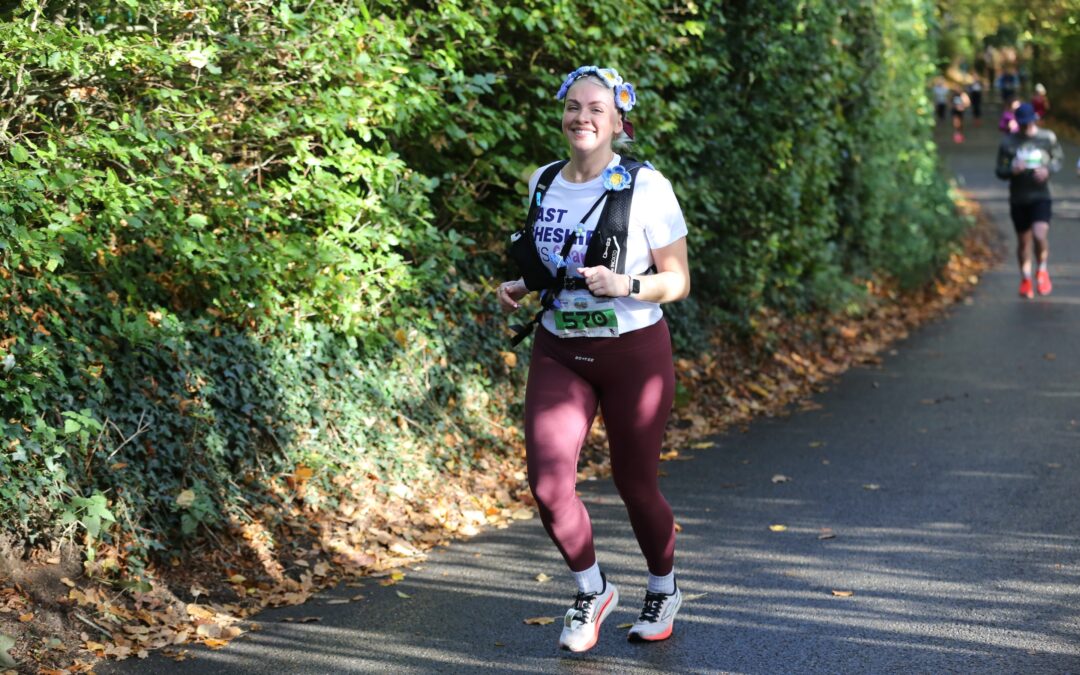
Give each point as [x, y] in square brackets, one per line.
[581, 625]
[1042, 282]
[1025, 289]
[657, 617]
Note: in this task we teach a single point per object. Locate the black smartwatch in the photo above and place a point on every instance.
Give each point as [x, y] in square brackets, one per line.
[635, 286]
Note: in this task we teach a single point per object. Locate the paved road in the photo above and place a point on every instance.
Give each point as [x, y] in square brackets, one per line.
[965, 559]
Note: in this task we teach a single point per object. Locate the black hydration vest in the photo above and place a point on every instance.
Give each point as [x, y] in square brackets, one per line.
[607, 246]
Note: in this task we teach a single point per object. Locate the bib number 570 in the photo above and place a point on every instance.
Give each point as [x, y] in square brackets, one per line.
[586, 319]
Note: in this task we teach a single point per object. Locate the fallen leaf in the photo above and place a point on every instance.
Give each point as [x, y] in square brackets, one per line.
[843, 594]
[357, 597]
[694, 596]
[406, 596]
[199, 612]
[539, 621]
[303, 619]
[625, 625]
[542, 578]
[778, 528]
[237, 579]
[826, 533]
[871, 486]
[781, 478]
[339, 601]
[678, 527]
[522, 514]
[817, 444]
[67, 582]
[703, 445]
[26, 618]
[1050, 356]
[214, 643]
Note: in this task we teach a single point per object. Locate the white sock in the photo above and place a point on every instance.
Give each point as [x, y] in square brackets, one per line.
[589, 581]
[664, 584]
[1042, 266]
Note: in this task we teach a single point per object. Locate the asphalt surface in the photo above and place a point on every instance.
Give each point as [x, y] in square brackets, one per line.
[949, 474]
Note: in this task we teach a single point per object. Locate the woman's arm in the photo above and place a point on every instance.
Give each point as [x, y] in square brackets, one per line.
[670, 283]
[672, 279]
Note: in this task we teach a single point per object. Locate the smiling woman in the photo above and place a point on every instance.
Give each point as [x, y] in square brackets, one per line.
[603, 343]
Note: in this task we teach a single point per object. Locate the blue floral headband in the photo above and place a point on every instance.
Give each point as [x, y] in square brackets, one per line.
[625, 96]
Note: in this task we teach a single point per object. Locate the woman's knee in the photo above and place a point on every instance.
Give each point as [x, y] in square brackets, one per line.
[551, 493]
[636, 487]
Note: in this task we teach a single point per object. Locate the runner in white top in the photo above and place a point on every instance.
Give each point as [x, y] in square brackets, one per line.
[627, 373]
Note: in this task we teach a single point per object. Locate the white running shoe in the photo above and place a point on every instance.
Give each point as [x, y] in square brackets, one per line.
[581, 626]
[657, 617]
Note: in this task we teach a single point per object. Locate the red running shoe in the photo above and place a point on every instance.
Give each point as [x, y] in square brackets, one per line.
[1042, 282]
[1025, 289]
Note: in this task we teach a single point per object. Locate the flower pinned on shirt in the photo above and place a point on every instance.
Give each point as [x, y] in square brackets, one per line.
[625, 97]
[579, 231]
[616, 178]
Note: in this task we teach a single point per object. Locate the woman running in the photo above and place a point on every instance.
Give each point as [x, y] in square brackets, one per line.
[603, 342]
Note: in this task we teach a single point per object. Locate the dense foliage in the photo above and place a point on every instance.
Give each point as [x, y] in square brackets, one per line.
[248, 240]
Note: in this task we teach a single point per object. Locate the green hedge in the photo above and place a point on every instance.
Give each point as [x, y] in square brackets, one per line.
[239, 237]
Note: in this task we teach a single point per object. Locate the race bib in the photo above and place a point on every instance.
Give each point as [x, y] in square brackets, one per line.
[1032, 157]
[584, 315]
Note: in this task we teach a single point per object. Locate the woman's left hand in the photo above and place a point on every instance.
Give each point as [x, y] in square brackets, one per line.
[602, 282]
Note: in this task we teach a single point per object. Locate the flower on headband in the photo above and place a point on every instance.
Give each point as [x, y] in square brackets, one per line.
[611, 76]
[573, 77]
[616, 178]
[625, 97]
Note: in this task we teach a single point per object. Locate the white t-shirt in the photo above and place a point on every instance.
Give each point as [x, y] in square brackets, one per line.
[656, 221]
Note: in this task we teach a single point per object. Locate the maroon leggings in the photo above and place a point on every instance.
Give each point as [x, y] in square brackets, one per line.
[632, 379]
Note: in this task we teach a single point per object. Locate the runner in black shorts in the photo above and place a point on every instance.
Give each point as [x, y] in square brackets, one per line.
[1026, 159]
[1024, 216]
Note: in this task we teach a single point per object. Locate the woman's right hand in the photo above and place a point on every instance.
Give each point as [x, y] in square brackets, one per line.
[509, 293]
